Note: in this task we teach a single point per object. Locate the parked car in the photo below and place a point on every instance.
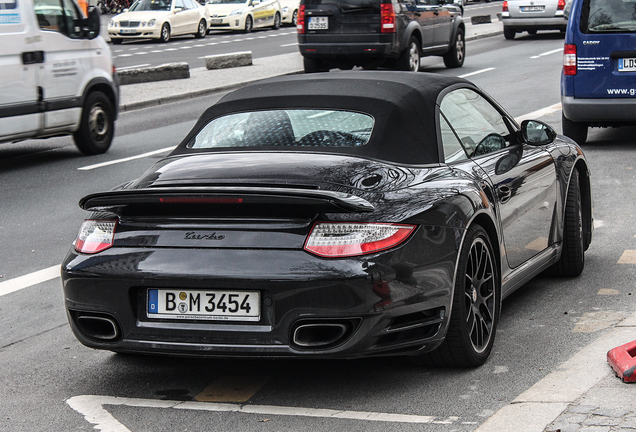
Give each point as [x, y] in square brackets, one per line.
[244, 15]
[599, 67]
[289, 11]
[531, 16]
[57, 75]
[159, 19]
[379, 33]
[361, 213]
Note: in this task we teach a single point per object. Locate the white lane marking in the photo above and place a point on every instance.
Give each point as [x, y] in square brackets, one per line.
[132, 67]
[116, 161]
[291, 44]
[91, 407]
[547, 53]
[539, 113]
[28, 280]
[476, 72]
[535, 115]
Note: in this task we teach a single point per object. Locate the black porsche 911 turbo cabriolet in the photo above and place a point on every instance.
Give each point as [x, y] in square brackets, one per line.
[335, 216]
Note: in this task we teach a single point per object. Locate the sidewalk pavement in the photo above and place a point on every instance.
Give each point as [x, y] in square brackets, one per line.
[581, 395]
[203, 82]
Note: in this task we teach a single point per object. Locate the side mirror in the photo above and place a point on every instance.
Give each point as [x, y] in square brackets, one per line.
[92, 23]
[537, 133]
[178, 9]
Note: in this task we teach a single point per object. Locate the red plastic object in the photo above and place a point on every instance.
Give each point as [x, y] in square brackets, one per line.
[623, 361]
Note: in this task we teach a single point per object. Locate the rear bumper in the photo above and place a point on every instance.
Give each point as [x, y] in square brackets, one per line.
[524, 24]
[347, 50]
[600, 111]
[296, 289]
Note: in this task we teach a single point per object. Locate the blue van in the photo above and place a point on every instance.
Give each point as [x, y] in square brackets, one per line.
[598, 82]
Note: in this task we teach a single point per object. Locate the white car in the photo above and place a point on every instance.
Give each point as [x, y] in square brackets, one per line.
[159, 19]
[524, 15]
[289, 11]
[243, 15]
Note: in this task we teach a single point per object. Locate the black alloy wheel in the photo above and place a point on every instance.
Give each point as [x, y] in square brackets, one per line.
[572, 259]
[454, 58]
[97, 127]
[476, 305]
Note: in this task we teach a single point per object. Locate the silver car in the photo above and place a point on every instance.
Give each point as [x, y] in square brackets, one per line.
[532, 15]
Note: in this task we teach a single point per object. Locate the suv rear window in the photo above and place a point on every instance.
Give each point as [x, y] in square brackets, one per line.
[349, 5]
[293, 127]
[608, 16]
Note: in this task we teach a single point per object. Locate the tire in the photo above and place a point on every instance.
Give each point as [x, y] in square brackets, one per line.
[575, 130]
[202, 30]
[165, 33]
[97, 125]
[294, 20]
[509, 33]
[277, 21]
[455, 57]
[475, 308]
[117, 41]
[532, 32]
[409, 59]
[572, 259]
[249, 24]
[312, 65]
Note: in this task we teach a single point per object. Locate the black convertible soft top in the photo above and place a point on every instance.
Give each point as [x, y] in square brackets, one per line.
[402, 103]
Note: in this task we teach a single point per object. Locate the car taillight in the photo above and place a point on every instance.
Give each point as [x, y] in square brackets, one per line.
[300, 20]
[95, 236]
[387, 18]
[335, 240]
[504, 6]
[569, 59]
[561, 5]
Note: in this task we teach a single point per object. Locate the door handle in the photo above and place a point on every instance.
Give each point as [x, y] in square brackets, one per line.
[32, 57]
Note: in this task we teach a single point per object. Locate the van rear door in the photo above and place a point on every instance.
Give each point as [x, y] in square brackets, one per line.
[20, 58]
[606, 50]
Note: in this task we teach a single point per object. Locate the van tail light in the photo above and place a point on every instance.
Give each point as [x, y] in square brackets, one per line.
[95, 236]
[387, 18]
[336, 240]
[569, 59]
[300, 20]
[504, 6]
[561, 5]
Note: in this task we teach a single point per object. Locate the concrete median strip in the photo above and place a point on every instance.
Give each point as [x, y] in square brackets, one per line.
[168, 71]
[223, 61]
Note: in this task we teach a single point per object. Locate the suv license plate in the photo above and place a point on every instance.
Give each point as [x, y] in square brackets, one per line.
[318, 23]
[204, 305]
[532, 8]
[627, 64]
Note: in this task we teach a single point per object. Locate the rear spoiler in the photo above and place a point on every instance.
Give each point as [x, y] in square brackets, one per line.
[321, 200]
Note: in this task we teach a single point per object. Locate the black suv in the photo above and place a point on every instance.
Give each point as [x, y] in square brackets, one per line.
[379, 33]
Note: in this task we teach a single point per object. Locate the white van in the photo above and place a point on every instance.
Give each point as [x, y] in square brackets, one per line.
[56, 74]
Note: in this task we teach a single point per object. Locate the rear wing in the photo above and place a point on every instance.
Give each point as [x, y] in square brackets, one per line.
[319, 201]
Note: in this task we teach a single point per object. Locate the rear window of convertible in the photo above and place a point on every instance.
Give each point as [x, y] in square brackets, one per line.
[292, 127]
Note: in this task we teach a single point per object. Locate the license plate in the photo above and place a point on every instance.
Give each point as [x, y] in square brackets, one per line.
[125, 31]
[204, 305]
[318, 23]
[532, 8]
[216, 21]
[627, 64]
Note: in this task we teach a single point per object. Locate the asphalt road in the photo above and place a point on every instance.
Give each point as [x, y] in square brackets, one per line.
[44, 370]
[261, 42]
